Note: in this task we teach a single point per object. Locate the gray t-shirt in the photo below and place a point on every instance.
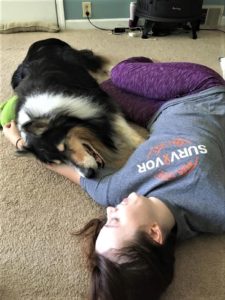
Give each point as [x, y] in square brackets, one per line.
[182, 163]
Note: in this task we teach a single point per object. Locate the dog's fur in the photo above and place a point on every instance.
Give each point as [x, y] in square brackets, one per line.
[63, 114]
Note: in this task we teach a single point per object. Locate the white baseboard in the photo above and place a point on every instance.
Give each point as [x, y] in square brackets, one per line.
[103, 23]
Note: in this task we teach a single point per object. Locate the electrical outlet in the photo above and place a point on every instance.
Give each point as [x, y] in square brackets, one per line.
[86, 8]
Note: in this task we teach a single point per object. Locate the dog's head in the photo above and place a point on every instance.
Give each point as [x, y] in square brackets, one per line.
[66, 140]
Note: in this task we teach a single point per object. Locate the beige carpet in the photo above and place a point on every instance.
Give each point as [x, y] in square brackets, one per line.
[39, 259]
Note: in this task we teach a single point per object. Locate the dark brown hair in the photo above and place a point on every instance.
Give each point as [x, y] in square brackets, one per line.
[142, 270]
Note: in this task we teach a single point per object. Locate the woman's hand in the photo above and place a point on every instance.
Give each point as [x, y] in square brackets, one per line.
[66, 171]
[12, 133]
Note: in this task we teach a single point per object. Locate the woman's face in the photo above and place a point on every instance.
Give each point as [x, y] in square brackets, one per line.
[123, 221]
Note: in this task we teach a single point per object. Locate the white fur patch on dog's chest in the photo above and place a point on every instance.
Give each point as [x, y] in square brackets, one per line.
[44, 105]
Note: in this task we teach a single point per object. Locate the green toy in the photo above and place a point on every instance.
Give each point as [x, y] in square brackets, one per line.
[7, 110]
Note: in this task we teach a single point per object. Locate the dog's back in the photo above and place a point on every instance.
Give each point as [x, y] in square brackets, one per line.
[55, 67]
[57, 51]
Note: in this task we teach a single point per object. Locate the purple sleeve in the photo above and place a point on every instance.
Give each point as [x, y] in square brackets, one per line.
[140, 86]
[136, 108]
[163, 81]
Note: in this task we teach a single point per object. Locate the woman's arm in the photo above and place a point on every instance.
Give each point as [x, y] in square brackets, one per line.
[11, 132]
[67, 171]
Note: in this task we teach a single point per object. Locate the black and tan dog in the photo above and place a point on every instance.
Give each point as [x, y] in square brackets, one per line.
[63, 114]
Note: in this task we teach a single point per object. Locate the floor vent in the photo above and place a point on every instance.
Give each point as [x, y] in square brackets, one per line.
[211, 16]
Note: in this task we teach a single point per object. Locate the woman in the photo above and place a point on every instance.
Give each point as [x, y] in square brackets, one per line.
[172, 187]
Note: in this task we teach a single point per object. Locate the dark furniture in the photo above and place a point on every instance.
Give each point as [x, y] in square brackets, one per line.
[176, 11]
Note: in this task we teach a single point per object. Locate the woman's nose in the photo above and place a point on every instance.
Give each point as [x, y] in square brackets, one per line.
[110, 210]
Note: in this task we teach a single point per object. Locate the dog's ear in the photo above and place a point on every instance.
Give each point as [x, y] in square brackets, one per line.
[36, 127]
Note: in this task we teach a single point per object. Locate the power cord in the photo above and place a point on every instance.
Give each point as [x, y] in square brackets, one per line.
[116, 30]
[106, 29]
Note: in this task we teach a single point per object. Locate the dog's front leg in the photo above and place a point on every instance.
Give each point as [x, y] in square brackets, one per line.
[129, 135]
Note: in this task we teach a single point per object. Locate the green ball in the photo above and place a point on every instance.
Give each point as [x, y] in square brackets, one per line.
[7, 110]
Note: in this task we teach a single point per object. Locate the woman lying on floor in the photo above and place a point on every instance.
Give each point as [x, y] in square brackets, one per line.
[171, 188]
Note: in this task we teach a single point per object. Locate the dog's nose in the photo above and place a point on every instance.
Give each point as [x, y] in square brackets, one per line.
[89, 173]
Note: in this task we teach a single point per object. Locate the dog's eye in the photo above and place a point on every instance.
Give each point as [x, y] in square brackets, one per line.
[57, 162]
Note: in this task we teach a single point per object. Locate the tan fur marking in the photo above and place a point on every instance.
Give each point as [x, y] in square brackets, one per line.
[78, 152]
[126, 139]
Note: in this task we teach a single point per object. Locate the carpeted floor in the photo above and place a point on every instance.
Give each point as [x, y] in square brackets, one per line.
[39, 258]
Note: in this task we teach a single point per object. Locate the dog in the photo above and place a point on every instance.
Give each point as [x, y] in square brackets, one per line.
[62, 113]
